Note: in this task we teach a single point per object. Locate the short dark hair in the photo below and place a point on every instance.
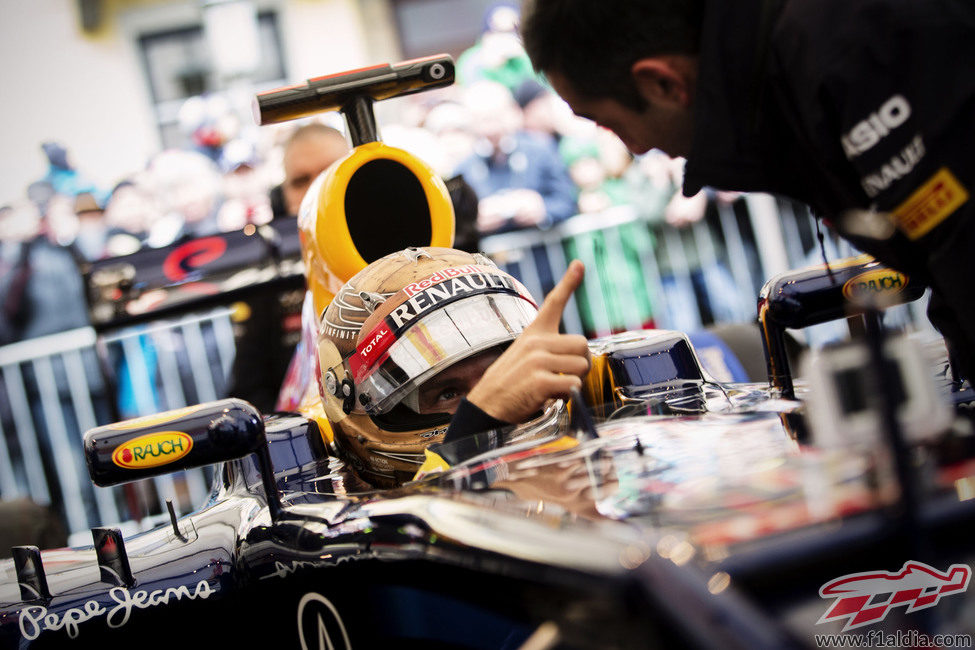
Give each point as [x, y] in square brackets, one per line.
[312, 129]
[594, 43]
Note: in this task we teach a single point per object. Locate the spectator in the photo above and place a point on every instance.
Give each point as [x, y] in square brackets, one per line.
[245, 193]
[498, 55]
[450, 122]
[187, 185]
[91, 241]
[209, 123]
[596, 171]
[542, 110]
[268, 338]
[655, 183]
[41, 292]
[61, 174]
[518, 176]
[309, 151]
[128, 213]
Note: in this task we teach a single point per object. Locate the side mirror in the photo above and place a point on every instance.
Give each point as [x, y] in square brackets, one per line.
[173, 440]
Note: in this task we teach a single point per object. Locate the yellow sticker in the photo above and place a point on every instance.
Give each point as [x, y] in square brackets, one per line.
[152, 449]
[930, 204]
[151, 420]
[433, 463]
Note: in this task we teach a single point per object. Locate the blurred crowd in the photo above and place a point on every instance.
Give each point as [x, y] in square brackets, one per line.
[529, 162]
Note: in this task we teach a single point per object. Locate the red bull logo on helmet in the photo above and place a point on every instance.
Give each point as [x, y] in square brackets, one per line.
[414, 288]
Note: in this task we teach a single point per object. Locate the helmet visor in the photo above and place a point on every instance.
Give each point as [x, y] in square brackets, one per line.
[435, 342]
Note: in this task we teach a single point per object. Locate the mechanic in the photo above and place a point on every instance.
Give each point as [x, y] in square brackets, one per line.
[863, 110]
[309, 151]
[430, 337]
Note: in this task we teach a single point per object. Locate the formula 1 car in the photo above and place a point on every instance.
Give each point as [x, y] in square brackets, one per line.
[665, 510]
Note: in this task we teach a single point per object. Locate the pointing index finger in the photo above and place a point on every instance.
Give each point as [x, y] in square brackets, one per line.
[550, 313]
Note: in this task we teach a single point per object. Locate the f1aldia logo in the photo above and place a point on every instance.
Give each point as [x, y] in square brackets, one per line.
[866, 598]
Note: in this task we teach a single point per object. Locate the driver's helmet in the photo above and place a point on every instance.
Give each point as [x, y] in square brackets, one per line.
[397, 323]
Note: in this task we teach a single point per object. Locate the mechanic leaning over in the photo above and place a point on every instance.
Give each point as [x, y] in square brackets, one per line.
[430, 337]
[863, 110]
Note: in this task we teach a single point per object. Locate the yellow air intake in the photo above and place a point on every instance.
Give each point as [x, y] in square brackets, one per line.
[375, 201]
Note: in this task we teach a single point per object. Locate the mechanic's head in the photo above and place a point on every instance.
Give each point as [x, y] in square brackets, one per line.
[629, 66]
[309, 151]
[402, 343]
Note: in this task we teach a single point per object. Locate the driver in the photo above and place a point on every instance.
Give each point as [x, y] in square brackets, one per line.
[428, 339]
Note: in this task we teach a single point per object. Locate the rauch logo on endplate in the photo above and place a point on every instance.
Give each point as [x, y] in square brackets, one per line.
[152, 449]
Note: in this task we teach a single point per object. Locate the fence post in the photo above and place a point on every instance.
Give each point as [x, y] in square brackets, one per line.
[764, 213]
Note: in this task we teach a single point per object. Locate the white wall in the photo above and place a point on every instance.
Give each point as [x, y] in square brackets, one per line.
[56, 83]
[89, 93]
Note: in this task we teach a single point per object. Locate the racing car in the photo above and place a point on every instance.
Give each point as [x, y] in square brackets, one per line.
[656, 507]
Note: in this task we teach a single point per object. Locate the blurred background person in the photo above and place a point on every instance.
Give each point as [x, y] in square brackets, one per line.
[597, 165]
[61, 174]
[543, 111]
[129, 212]
[696, 290]
[267, 339]
[188, 187]
[41, 290]
[450, 122]
[91, 242]
[309, 151]
[498, 54]
[245, 188]
[209, 124]
[519, 177]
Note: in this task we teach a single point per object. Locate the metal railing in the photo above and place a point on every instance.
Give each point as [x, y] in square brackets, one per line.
[57, 387]
[642, 273]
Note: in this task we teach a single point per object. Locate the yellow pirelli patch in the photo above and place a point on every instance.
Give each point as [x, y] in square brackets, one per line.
[930, 204]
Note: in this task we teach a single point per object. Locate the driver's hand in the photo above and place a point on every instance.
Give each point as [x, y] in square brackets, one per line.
[540, 365]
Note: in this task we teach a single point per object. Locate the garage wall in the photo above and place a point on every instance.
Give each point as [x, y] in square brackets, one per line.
[88, 91]
[59, 84]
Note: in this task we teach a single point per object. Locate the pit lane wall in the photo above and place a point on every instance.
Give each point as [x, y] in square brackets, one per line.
[639, 275]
